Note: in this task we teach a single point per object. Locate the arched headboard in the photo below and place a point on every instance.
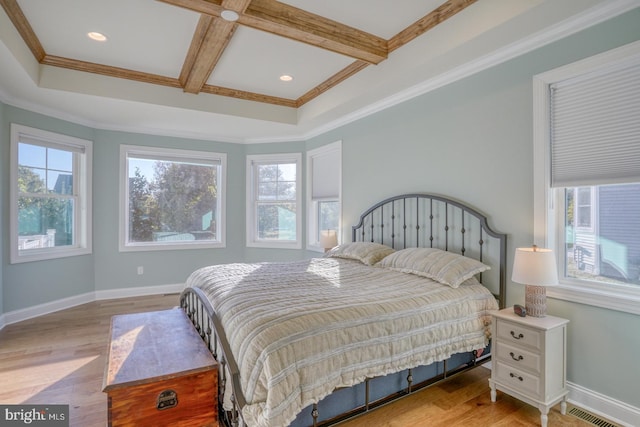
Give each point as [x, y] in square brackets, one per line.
[433, 221]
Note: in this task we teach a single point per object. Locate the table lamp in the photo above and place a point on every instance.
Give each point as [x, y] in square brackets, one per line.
[535, 268]
[328, 239]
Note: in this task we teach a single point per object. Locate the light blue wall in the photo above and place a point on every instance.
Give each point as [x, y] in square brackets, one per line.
[32, 283]
[114, 269]
[471, 140]
[4, 165]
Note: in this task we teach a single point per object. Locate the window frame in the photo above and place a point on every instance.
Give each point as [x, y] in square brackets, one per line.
[313, 205]
[252, 205]
[82, 193]
[176, 155]
[549, 203]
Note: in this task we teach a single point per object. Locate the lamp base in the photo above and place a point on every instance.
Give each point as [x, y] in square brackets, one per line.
[535, 300]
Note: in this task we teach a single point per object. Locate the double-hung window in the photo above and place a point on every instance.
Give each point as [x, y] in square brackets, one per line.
[50, 195]
[171, 199]
[587, 177]
[274, 201]
[324, 166]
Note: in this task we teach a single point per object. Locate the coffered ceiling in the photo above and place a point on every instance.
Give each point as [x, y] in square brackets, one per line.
[181, 67]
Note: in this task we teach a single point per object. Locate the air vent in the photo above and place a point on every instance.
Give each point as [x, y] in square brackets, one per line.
[590, 418]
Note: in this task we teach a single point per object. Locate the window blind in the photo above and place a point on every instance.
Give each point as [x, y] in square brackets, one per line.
[64, 146]
[326, 175]
[595, 127]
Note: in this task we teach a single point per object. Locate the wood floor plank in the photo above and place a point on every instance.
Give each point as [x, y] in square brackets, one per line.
[60, 358]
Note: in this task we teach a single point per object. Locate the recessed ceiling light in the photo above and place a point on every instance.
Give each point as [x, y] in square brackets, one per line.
[286, 78]
[97, 36]
[229, 15]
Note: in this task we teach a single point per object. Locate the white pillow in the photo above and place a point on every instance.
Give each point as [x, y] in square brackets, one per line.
[367, 253]
[447, 268]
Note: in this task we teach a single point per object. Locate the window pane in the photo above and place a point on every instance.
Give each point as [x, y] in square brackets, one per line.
[60, 182]
[31, 180]
[287, 190]
[267, 173]
[277, 182]
[608, 248]
[32, 155]
[44, 170]
[60, 160]
[328, 215]
[267, 191]
[287, 172]
[44, 222]
[277, 221]
[172, 201]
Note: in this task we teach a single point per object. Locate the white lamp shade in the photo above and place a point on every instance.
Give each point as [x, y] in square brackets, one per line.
[535, 266]
[328, 239]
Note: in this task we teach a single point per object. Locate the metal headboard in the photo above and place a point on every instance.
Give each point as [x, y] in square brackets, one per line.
[426, 220]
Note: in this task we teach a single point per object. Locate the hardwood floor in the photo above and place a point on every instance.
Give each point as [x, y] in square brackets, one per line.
[59, 358]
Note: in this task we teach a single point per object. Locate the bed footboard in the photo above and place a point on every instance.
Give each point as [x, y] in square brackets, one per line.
[198, 308]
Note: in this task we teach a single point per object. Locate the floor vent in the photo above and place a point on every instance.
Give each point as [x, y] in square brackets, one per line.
[590, 418]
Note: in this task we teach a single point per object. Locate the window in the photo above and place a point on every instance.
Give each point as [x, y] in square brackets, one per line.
[587, 177]
[50, 195]
[324, 168]
[583, 211]
[171, 199]
[273, 200]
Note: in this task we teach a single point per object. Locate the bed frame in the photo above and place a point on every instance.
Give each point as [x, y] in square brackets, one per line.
[409, 220]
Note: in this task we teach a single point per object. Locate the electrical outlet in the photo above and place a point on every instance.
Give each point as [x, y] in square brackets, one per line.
[140, 270]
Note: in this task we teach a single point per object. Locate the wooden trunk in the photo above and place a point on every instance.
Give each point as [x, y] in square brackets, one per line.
[159, 372]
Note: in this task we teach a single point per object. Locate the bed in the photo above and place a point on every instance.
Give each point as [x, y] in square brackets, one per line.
[405, 304]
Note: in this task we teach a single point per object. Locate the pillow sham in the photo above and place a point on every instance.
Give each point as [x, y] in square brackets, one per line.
[447, 268]
[367, 253]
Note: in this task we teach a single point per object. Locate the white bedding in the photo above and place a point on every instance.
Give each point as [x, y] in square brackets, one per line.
[300, 329]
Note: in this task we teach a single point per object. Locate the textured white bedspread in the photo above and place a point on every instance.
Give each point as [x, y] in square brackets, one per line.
[300, 329]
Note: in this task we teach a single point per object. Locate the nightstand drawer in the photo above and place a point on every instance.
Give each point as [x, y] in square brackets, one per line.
[517, 334]
[517, 356]
[517, 380]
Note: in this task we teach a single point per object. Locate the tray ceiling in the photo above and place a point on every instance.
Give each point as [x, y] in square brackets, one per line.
[169, 57]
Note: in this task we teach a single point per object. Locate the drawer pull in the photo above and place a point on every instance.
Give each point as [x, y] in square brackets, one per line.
[517, 359]
[518, 337]
[512, 375]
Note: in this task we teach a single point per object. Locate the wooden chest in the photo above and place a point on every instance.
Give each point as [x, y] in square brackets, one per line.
[159, 372]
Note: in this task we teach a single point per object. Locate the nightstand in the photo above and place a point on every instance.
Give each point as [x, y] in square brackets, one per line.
[529, 360]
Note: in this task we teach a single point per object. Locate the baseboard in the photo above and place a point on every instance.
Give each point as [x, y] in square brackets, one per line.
[48, 307]
[138, 292]
[599, 404]
[61, 304]
[604, 406]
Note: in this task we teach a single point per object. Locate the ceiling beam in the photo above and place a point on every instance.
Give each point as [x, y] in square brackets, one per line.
[445, 11]
[210, 39]
[287, 21]
[19, 21]
[332, 81]
[107, 70]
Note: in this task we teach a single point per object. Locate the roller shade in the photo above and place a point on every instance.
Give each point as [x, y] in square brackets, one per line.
[595, 128]
[326, 175]
[26, 139]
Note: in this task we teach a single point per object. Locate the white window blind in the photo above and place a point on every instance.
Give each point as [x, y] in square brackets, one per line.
[595, 127]
[326, 175]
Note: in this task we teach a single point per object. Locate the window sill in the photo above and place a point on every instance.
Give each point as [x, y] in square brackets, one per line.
[274, 245]
[49, 255]
[170, 246]
[626, 299]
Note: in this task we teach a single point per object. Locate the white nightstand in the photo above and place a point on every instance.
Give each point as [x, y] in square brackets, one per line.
[529, 359]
